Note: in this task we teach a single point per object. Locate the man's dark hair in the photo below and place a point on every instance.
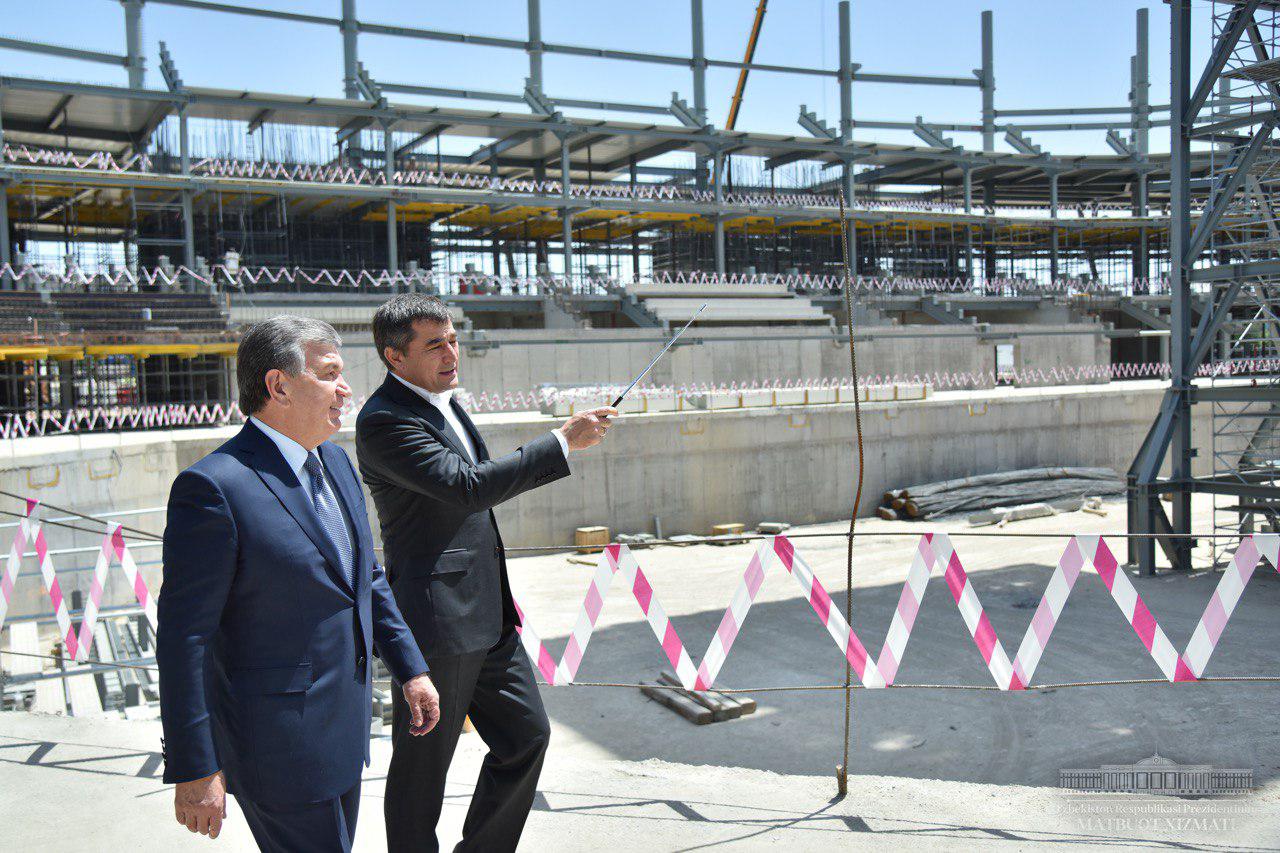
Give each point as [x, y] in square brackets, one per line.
[276, 344]
[393, 322]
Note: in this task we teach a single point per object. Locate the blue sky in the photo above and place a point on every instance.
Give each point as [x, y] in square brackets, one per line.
[1046, 53]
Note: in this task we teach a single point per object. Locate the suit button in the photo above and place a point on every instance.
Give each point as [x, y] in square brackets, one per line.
[360, 661]
[497, 552]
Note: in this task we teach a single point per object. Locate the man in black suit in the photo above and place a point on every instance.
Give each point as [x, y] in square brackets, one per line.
[434, 487]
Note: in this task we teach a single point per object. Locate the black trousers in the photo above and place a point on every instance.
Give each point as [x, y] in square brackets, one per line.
[324, 827]
[496, 688]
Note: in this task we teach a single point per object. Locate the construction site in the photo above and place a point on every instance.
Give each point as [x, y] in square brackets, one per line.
[1065, 364]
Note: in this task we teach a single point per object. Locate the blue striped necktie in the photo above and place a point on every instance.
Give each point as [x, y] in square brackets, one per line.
[330, 514]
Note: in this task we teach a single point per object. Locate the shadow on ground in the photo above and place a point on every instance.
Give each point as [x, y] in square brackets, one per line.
[972, 736]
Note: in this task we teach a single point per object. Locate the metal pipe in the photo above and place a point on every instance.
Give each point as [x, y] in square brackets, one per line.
[535, 45]
[988, 83]
[845, 72]
[389, 169]
[134, 60]
[699, 62]
[350, 49]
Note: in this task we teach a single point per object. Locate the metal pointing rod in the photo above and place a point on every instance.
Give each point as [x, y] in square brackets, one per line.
[663, 351]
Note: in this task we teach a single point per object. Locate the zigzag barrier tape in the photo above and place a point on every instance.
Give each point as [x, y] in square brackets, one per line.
[113, 550]
[241, 277]
[933, 551]
[30, 424]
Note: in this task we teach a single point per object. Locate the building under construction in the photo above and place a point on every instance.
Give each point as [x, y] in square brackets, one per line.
[1051, 267]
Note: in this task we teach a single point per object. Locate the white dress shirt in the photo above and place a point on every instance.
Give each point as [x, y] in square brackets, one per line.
[441, 402]
[295, 455]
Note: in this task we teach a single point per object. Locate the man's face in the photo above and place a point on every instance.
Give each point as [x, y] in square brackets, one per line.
[318, 393]
[430, 361]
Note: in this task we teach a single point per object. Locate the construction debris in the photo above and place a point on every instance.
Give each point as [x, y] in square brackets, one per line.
[698, 707]
[636, 540]
[1010, 489]
[772, 528]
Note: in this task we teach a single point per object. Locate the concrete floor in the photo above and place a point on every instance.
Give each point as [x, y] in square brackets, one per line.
[932, 768]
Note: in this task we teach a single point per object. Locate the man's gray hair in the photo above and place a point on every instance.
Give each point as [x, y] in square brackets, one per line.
[276, 344]
[393, 322]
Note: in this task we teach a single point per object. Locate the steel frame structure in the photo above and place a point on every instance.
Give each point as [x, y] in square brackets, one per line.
[1235, 296]
[861, 164]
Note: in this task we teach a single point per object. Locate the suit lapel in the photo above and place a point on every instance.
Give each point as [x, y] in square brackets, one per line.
[405, 396]
[338, 470]
[482, 452]
[284, 484]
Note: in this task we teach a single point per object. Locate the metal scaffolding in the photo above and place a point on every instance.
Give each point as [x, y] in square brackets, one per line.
[1225, 285]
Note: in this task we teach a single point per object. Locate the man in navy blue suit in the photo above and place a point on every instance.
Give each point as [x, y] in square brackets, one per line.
[271, 606]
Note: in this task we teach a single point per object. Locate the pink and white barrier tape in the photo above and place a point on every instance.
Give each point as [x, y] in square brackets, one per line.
[113, 549]
[932, 550]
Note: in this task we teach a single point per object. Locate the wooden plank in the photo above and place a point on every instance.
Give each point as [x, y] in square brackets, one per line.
[736, 704]
[720, 711]
[681, 704]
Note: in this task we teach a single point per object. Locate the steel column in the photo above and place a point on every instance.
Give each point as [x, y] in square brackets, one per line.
[699, 62]
[5, 249]
[389, 167]
[1179, 267]
[350, 52]
[566, 216]
[188, 215]
[1140, 97]
[535, 45]
[988, 83]
[717, 160]
[1053, 231]
[134, 61]
[845, 75]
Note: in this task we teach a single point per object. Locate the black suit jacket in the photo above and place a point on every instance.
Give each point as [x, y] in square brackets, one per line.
[443, 552]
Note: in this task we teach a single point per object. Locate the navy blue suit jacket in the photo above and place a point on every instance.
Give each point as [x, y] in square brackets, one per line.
[263, 646]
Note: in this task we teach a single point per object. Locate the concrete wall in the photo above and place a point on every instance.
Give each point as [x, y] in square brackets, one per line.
[930, 349]
[792, 464]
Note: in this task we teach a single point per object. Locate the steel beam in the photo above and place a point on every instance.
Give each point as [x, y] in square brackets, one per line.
[62, 50]
[487, 152]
